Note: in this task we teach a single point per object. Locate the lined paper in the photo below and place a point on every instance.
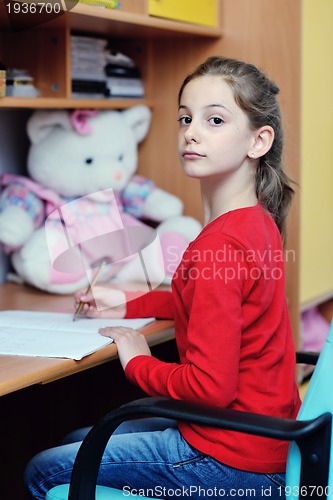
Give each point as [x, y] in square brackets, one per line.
[56, 335]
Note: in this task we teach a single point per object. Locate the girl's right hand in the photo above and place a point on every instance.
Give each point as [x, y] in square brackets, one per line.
[103, 302]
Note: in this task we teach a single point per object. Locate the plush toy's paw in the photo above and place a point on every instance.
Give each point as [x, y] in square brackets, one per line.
[175, 234]
[184, 225]
[161, 205]
[32, 263]
[146, 266]
[16, 227]
[157, 264]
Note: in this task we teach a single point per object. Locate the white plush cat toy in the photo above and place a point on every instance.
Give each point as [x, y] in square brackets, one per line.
[82, 204]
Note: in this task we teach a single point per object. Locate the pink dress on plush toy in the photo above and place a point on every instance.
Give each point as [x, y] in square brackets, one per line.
[97, 226]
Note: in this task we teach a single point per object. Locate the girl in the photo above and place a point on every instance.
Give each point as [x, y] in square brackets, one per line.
[228, 301]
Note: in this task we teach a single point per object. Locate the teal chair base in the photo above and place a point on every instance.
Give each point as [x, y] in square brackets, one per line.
[102, 493]
[317, 401]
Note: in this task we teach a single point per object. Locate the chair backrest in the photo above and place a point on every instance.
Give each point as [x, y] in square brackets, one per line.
[318, 400]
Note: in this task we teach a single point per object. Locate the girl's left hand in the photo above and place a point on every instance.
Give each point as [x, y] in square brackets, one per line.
[130, 343]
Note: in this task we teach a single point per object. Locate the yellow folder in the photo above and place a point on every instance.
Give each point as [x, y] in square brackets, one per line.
[202, 12]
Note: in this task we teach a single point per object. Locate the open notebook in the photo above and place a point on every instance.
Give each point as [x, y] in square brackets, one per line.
[55, 335]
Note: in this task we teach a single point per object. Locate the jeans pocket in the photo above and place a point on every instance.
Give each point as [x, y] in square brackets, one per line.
[189, 461]
[279, 479]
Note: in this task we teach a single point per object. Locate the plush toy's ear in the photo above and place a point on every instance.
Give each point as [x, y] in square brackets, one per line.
[138, 117]
[41, 123]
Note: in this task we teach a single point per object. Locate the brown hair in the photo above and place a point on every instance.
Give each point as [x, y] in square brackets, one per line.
[256, 95]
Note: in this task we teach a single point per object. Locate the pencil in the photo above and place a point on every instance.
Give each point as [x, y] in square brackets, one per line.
[93, 282]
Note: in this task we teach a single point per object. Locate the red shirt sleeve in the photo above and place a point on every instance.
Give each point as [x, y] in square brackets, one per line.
[154, 304]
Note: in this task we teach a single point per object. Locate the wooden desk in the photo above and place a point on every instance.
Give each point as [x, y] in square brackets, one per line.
[36, 415]
[18, 372]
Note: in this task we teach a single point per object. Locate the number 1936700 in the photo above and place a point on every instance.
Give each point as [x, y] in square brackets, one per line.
[33, 7]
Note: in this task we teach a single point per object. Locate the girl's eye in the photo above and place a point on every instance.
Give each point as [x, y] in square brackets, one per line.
[185, 120]
[216, 120]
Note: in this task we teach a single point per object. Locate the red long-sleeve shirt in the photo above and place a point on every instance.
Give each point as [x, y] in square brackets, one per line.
[233, 336]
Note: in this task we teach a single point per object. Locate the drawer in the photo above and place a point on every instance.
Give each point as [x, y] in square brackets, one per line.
[202, 12]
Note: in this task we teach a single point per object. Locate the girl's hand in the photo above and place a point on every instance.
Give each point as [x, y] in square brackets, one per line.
[130, 343]
[103, 302]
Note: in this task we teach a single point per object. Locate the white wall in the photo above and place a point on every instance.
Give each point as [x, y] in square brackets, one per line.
[317, 151]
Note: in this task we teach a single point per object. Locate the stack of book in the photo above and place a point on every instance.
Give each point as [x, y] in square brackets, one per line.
[88, 63]
[100, 72]
[123, 76]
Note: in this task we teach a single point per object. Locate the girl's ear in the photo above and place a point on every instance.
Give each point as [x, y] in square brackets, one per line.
[263, 140]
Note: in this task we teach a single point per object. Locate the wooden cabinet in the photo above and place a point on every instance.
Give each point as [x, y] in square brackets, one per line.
[265, 33]
[164, 50]
[45, 51]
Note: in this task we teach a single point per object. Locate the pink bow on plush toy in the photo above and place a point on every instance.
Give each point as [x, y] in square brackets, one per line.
[80, 122]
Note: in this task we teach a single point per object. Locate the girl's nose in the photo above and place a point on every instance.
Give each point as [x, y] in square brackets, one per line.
[191, 134]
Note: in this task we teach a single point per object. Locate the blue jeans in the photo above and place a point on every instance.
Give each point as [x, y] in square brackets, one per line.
[150, 457]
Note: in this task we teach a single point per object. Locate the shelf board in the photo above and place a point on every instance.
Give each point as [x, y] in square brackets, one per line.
[58, 102]
[83, 17]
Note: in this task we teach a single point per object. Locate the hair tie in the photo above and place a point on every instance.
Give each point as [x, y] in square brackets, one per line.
[274, 88]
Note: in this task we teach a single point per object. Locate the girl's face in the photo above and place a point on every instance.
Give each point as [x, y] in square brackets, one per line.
[214, 133]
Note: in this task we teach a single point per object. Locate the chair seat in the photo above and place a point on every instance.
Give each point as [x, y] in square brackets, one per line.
[102, 493]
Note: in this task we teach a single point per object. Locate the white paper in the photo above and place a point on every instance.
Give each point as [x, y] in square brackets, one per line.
[56, 335]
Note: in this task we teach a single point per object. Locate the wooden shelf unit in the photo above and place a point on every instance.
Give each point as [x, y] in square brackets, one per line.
[60, 103]
[128, 19]
[164, 50]
[45, 50]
